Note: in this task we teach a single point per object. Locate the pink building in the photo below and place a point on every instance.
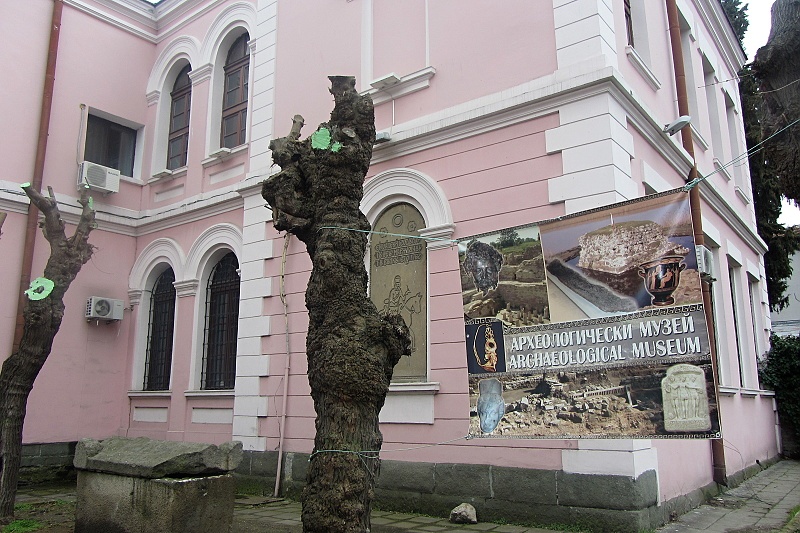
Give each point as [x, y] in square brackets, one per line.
[491, 118]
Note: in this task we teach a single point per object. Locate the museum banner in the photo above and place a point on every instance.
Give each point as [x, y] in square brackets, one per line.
[589, 326]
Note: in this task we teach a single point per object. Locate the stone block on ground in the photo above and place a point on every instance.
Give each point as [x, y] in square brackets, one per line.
[137, 485]
[108, 503]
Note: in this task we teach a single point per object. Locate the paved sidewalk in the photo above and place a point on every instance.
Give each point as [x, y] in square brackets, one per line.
[761, 504]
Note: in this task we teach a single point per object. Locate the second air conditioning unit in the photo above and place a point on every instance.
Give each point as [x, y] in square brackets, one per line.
[100, 308]
[98, 177]
[705, 260]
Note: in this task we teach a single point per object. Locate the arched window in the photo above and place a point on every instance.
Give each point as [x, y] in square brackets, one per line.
[234, 98]
[160, 333]
[222, 322]
[179, 120]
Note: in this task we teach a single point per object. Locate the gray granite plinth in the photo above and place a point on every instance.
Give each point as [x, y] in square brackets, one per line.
[108, 503]
[149, 486]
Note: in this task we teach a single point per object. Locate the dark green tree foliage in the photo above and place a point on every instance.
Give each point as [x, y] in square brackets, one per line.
[767, 192]
[781, 373]
[781, 241]
[508, 238]
[737, 15]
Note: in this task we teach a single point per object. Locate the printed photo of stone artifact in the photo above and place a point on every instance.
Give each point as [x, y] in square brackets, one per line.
[635, 256]
[503, 277]
[638, 401]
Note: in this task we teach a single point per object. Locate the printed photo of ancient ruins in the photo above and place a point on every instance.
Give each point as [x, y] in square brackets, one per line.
[503, 277]
[635, 256]
[641, 401]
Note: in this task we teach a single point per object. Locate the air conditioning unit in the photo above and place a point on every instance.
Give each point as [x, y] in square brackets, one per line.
[705, 260]
[100, 308]
[98, 177]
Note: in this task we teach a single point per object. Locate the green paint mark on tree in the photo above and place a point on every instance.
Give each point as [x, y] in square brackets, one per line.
[335, 147]
[321, 139]
[91, 203]
[26, 184]
[40, 289]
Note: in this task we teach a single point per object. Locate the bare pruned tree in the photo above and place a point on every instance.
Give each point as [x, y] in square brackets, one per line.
[43, 312]
[351, 348]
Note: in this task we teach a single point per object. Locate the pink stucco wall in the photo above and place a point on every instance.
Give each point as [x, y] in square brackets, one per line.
[491, 177]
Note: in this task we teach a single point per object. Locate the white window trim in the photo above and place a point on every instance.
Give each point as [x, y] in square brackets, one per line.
[415, 188]
[639, 64]
[209, 247]
[145, 271]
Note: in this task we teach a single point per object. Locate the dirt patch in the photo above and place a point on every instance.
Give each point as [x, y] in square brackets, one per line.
[57, 516]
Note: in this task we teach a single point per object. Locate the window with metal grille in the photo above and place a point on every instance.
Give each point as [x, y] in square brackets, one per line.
[159, 333]
[234, 98]
[222, 325]
[628, 21]
[179, 120]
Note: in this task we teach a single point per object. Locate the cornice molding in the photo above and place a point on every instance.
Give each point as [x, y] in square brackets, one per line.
[723, 208]
[137, 223]
[411, 83]
[714, 18]
[12, 199]
[157, 22]
[121, 7]
[536, 99]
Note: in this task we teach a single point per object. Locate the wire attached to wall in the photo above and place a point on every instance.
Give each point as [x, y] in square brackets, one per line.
[433, 239]
[373, 454]
[752, 151]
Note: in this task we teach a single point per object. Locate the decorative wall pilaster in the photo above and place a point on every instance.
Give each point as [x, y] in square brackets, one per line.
[261, 121]
[596, 149]
[585, 33]
[252, 363]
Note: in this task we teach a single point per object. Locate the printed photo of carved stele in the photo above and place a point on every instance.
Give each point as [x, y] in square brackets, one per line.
[503, 277]
[612, 403]
[632, 257]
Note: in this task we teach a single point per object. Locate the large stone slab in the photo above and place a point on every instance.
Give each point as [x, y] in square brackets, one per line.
[153, 459]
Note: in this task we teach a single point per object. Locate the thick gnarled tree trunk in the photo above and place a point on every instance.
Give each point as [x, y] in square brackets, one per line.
[351, 349]
[777, 66]
[42, 315]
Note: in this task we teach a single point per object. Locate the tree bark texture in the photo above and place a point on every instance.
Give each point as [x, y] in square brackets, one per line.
[2, 219]
[351, 348]
[43, 312]
[777, 66]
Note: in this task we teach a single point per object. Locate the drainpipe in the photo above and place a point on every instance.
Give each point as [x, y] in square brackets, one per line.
[717, 449]
[32, 223]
